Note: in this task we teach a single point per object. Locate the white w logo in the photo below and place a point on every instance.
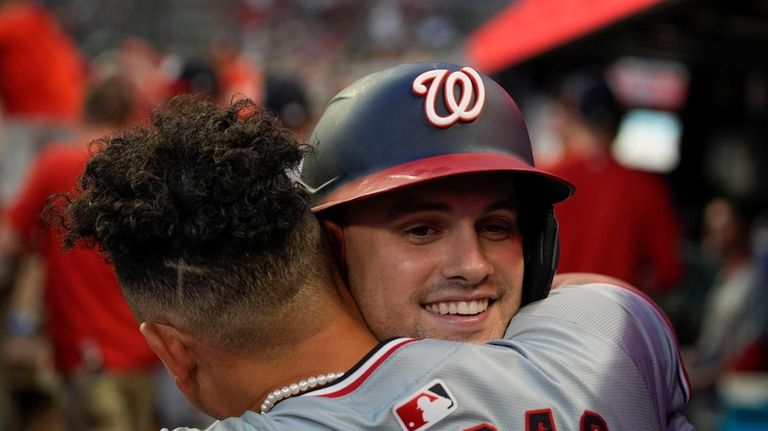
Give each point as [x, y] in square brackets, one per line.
[470, 82]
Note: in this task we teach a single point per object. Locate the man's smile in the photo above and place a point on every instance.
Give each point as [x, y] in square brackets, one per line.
[463, 308]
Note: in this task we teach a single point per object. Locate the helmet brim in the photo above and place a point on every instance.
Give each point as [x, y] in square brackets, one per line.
[549, 187]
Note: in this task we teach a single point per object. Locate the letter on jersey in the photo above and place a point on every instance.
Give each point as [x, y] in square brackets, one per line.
[539, 420]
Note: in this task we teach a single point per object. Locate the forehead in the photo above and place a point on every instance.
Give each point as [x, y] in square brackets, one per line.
[456, 194]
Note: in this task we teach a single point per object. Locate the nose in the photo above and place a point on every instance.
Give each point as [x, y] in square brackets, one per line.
[465, 258]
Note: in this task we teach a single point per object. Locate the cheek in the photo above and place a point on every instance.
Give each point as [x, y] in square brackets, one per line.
[509, 262]
[367, 270]
[382, 273]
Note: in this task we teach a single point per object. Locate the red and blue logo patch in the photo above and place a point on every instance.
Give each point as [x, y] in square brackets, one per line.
[426, 407]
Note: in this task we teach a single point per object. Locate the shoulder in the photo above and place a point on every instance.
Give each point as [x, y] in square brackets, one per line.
[568, 165]
[606, 318]
[578, 278]
[611, 315]
[384, 364]
[614, 309]
[59, 153]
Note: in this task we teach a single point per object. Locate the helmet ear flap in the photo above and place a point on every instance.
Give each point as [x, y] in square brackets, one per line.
[541, 247]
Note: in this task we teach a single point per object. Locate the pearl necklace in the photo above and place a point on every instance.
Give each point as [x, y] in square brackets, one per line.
[297, 388]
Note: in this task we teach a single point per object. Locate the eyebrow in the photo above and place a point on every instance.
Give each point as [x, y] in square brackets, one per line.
[406, 207]
[505, 204]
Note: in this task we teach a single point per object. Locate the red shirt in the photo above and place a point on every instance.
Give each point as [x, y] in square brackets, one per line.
[620, 222]
[42, 74]
[84, 304]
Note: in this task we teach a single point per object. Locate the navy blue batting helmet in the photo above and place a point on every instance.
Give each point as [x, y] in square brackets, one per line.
[419, 122]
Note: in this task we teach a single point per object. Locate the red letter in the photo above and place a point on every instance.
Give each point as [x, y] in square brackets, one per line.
[591, 421]
[539, 420]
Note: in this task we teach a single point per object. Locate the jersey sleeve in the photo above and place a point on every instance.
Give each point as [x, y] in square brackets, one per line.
[616, 316]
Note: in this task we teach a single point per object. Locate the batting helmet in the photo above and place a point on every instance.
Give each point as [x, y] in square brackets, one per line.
[419, 122]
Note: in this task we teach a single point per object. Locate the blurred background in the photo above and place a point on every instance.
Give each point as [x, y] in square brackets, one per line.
[656, 109]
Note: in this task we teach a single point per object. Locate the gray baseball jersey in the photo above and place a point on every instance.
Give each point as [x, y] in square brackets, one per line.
[592, 357]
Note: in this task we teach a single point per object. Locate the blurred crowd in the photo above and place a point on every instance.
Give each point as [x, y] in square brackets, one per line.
[623, 222]
[72, 357]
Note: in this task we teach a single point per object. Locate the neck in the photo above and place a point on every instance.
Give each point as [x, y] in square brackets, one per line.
[336, 347]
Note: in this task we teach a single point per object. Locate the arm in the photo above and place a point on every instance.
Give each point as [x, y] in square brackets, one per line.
[10, 249]
[18, 226]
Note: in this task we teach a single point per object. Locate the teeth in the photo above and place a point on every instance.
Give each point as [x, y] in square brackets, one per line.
[463, 308]
[442, 308]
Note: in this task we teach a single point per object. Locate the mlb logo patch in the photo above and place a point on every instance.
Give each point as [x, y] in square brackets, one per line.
[426, 407]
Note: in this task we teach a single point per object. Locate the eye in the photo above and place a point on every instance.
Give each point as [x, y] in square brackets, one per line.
[498, 230]
[421, 233]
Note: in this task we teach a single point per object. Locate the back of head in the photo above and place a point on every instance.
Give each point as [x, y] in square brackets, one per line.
[423, 121]
[202, 220]
[287, 98]
[110, 103]
[727, 227]
[589, 97]
[197, 76]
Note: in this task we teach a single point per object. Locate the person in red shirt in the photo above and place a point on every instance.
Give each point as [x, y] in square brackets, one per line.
[622, 223]
[42, 85]
[106, 366]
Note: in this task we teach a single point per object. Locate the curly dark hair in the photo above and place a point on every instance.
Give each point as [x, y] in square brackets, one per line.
[200, 214]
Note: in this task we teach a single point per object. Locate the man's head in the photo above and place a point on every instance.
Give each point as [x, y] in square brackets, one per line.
[727, 228]
[110, 103]
[448, 148]
[588, 114]
[214, 245]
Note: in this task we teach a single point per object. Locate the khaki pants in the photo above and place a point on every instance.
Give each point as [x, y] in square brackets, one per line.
[110, 401]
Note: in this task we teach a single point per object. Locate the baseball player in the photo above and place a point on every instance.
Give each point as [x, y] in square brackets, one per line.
[219, 255]
[424, 176]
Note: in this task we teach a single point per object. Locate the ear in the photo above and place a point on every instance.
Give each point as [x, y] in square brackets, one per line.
[336, 240]
[169, 345]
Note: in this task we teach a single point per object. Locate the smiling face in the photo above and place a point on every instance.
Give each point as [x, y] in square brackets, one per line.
[443, 259]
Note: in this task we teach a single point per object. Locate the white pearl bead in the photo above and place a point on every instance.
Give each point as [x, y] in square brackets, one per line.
[295, 388]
